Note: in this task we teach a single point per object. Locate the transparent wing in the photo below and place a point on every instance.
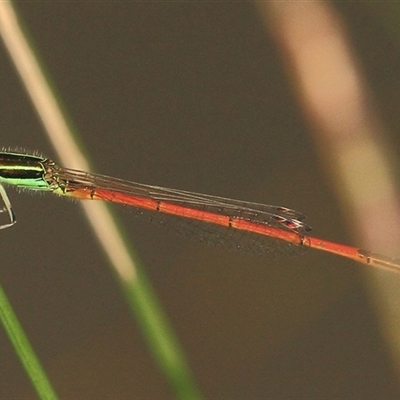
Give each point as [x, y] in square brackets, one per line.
[226, 236]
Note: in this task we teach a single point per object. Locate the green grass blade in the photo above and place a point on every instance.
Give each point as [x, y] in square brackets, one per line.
[24, 350]
[160, 338]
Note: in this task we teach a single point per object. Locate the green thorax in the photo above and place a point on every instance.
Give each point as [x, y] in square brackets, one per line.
[23, 170]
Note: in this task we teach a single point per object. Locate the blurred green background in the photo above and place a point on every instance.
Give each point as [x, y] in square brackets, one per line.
[192, 96]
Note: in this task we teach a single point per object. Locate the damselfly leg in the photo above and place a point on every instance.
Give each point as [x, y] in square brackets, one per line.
[7, 208]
